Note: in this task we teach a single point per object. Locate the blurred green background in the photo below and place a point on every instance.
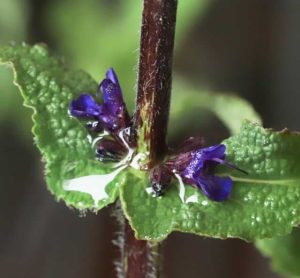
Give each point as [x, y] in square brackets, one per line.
[249, 47]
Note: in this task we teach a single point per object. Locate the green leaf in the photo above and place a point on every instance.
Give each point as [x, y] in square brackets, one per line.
[263, 204]
[229, 108]
[47, 87]
[284, 252]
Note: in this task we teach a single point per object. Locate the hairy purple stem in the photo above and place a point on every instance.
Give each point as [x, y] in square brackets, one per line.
[155, 76]
[141, 258]
[138, 258]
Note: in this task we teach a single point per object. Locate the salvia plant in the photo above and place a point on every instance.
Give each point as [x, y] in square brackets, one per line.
[97, 153]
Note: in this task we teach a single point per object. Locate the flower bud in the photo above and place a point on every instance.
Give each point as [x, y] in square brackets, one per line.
[160, 178]
[108, 150]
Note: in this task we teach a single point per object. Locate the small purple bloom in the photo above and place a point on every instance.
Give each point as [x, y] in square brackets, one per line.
[200, 169]
[116, 116]
[204, 159]
[112, 96]
[179, 161]
[196, 167]
[111, 75]
[84, 107]
[112, 114]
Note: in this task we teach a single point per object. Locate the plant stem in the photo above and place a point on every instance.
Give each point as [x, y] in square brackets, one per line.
[138, 258]
[155, 76]
[141, 258]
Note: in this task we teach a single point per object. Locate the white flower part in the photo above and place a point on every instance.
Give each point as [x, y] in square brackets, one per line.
[181, 187]
[149, 190]
[135, 163]
[192, 199]
[130, 153]
[90, 138]
[100, 137]
[94, 185]
[204, 203]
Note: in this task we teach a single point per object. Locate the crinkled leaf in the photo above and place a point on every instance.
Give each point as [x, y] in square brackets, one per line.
[284, 252]
[47, 87]
[229, 108]
[263, 204]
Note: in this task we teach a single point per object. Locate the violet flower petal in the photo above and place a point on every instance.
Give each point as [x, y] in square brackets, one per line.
[84, 107]
[115, 116]
[194, 168]
[112, 96]
[216, 151]
[203, 158]
[214, 187]
[109, 121]
[112, 76]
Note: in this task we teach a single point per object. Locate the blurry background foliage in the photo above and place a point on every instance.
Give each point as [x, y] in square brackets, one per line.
[94, 35]
[13, 28]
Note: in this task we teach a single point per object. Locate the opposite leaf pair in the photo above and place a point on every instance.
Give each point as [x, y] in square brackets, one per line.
[263, 204]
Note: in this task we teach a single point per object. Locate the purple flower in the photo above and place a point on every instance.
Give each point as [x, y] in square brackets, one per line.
[196, 167]
[203, 159]
[199, 172]
[112, 114]
[84, 107]
[116, 116]
[111, 75]
[112, 96]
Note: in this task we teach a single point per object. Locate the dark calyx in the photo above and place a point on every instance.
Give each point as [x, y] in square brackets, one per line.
[160, 178]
